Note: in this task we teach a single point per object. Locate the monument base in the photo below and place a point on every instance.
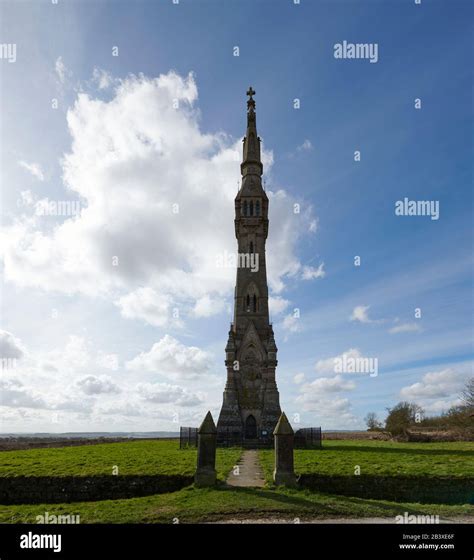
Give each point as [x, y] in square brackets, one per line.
[205, 477]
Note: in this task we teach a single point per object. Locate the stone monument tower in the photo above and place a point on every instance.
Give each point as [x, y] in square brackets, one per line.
[251, 405]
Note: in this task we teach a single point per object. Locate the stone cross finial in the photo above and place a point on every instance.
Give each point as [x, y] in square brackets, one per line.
[251, 100]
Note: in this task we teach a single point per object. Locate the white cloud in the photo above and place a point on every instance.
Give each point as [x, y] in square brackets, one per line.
[360, 314]
[405, 327]
[32, 168]
[277, 304]
[154, 190]
[328, 365]
[96, 385]
[323, 385]
[439, 406]
[171, 358]
[309, 272]
[170, 394]
[306, 146]
[150, 306]
[206, 306]
[329, 413]
[102, 78]
[437, 384]
[14, 393]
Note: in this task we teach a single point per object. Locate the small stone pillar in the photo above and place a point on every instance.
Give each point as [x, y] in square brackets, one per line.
[206, 459]
[284, 473]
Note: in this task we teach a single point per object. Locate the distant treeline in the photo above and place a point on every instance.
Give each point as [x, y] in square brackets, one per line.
[406, 418]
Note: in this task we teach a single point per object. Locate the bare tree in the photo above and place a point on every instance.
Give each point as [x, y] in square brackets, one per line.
[467, 396]
[372, 421]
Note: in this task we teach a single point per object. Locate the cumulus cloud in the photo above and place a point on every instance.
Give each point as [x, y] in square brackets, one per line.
[96, 385]
[332, 412]
[164, 393]
[328, 365]
[173, 359]
[150, 306]
[13, 393]
[154, 189]
[207, 306]
[436, 384]
[328, 385]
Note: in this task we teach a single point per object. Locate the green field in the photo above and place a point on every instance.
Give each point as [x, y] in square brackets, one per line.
[145, 458]
[132, 458]
[338, 457]
[192, 505]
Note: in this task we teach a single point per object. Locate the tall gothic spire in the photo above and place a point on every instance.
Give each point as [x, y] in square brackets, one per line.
[251, 402]
[251, 163]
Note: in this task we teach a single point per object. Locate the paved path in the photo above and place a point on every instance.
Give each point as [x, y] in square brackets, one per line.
[249, 472]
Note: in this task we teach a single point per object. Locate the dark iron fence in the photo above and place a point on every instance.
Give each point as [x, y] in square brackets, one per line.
[188, 437]
[308, 438]
[305, 438]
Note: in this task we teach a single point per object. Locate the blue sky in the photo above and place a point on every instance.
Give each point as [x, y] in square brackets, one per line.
[63, 319]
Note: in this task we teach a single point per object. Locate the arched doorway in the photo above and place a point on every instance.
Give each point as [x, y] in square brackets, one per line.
[250, 427]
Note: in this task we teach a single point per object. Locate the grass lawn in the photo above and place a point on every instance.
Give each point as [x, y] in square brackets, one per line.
[192, 504]
[340, 457]
[132, 458]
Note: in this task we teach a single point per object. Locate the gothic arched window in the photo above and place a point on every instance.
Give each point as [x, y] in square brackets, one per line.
[254, 303]
[251, 208]
[248, 302]
[251, 248]
[245, 208]
[257, 208]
